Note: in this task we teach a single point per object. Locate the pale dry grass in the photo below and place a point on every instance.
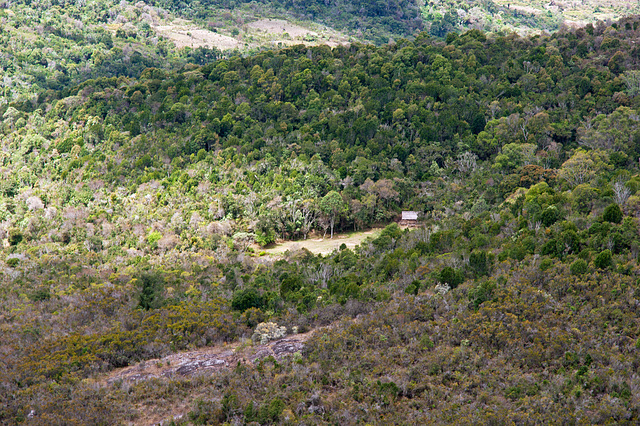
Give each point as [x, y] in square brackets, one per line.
[325, 245]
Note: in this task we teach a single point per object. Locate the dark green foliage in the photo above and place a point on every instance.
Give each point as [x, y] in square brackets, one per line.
[442, 241]
[151, 291]
[603, 260]
[571, 241]
[612, 214]
[383, 241]
[265, 232]
[245, 299]
[579, 267]
[346, 259]
[481, 293]
[521, 391]
[426, 342]
[550, 216]
[9, 188]
[271, 411]
[545, 264]
[289, 285]
[480, 262]
[413, 288]
[40, 295]
[451, 276]
[347, 286]
[389, 233]
[230, 406]
[15, 236]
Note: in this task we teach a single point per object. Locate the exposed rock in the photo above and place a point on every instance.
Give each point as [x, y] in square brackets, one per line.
[208, 360]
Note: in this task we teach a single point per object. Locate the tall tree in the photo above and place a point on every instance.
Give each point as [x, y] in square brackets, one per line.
[333, 206]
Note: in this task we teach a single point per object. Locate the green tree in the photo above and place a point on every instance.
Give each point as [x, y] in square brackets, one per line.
[515, 155]
[245, 299]
[612, 214]
[604, 259]
[579, 267]
[583, 166]
[613, 132]
[152, 287]
[333, 206]
[451, 276]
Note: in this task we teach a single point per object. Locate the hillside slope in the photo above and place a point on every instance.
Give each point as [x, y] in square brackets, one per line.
[131, 209]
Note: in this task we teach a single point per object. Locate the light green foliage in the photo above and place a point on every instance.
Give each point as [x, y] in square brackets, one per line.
[153, 239]
[584, 166]
[615, 132]
[333, 206]
[515, 155]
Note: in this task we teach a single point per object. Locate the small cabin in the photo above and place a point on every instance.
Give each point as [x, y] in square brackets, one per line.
[409, 218]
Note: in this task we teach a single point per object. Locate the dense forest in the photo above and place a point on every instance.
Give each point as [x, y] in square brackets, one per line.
[135, 204]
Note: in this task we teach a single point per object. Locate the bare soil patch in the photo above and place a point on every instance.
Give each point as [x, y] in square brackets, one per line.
[279, 27]
[526, 9]
[280, 32]
[184, 34]
[576, 12]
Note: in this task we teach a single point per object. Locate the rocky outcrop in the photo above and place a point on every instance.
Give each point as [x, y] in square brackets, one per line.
[208, 360]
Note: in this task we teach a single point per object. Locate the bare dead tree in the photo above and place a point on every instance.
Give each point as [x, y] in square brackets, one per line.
[308, 216]
[467, 162]
[621, 193]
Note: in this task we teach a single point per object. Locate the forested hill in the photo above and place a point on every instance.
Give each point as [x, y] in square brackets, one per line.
[134, 211]
[377, 123]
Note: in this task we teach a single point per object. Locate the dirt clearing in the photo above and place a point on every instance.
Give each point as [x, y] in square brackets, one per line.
[324, 246]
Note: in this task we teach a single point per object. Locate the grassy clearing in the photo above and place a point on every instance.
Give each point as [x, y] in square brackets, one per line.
[323, 245]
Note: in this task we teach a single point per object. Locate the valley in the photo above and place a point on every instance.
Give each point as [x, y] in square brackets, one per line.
[183, 185]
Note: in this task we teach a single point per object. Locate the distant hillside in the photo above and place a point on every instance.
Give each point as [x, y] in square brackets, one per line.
[44, 47]
[378, 21]
[524, 17]
[368, 20]
[48, 47]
